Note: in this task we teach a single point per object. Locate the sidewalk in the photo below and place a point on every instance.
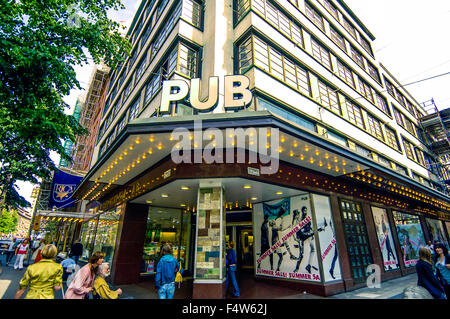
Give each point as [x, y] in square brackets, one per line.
[250, 288]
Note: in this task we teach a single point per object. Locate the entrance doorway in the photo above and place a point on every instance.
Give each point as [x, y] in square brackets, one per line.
[242, 236]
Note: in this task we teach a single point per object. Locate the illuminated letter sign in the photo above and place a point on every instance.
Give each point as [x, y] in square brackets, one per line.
[237, 94]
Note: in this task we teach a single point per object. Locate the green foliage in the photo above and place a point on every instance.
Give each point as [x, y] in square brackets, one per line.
[8, 221]
[40, 43]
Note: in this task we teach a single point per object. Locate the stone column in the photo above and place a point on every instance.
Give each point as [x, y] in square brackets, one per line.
[209, 265]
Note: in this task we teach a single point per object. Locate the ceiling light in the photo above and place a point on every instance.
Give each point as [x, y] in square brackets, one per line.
[164, 195]
[184, 187]
[247, 186]
[279, 193]
[254, 198]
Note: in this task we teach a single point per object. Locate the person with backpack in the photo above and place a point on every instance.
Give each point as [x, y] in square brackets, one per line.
[166, 271]
[443, 267]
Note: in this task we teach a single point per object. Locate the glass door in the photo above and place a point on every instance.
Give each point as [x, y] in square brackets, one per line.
[244, 247]
[357, 240]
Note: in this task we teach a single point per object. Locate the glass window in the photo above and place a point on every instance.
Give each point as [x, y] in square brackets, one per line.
[338, 39]
[134, 110]
[357, 57]
[242, 7]
[354, 113]
[409, 149]
[373, 72]
[410, 236]
[290, 116]
[331, 9]
[350, 28]
[165, 225]
[314, 16]
[105, 239]
[398, 117]
[192, 12]
[121, 124]
[321, 53]
[152, 87]
[140, 69]
[390, 88]
[245, 55]
[365, 44]
[375, 127]
[87, 237]
[391, 138]
[187, 61]
[366, 90]
[345, 73]
[328, 97]
[382, 104]
[127, 91]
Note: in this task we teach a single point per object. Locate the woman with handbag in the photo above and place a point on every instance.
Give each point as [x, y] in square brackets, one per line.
[443, 267]
[81, 285]
[166, 271]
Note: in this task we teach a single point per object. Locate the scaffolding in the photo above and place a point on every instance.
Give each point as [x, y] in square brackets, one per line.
[91, 103]
[434, 125]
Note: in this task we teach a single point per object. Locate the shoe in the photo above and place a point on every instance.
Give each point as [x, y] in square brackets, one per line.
[293, 257]
[236, 296]
[296, 269]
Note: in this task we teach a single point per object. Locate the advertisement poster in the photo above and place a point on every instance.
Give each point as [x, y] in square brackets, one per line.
[327, 238]
[385, 240]
[285, 239]
[410, 237]
[436, 230]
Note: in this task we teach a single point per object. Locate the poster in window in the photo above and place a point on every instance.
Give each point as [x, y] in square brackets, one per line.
[327, 238]
[284, 239]
[385, 239]
[436, 230]
[410, 237]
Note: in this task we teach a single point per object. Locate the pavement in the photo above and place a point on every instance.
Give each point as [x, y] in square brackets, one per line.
[250, 289]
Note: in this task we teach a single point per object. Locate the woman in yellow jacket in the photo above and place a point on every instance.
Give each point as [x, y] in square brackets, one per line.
[43, 277]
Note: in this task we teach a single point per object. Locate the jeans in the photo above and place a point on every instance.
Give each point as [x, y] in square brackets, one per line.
[166, 291]
[231, 274]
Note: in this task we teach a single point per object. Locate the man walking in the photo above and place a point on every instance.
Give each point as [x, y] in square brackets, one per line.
[76, 250]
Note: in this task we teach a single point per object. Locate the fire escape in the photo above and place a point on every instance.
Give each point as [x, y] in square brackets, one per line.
[434, 125]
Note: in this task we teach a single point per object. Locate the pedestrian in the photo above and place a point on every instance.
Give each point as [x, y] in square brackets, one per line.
[11, 249]
[81, 285]
[231, 269]
[443, 267]
[101, 287]
[166, 270]
[21, 252]
[42, 278]
[68, 265]
[76, 250]
[37, 256]
[425, 275]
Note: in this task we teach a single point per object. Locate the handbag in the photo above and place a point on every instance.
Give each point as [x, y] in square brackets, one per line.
[178, 278]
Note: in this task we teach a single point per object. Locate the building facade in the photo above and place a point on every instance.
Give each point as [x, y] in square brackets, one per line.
[346, 179]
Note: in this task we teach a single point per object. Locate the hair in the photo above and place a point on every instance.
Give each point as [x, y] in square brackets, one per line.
[101, 269]
[166, 249]
[49, 251]
[442, 246]
[425, 254]
[94, 258]
[231, 244]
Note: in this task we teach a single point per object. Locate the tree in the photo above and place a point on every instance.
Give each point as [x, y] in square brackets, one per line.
[8, 221]
[40, 43]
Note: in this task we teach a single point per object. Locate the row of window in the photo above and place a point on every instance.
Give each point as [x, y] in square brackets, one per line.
[189, 10]
[263, 104]
[398, 96]
[182, 59]
[256, 52]
[293, 31]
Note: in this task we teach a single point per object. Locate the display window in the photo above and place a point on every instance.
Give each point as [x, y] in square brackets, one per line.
[105, 239]
[436, 230]
[165, 225]
[385, 240]
[410, 236]
[88, 231]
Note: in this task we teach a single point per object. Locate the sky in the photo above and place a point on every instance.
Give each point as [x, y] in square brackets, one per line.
[411, 42]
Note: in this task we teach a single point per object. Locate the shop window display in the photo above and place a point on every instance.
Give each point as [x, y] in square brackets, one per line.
[88, 231]
[164, 225]
[105, 239]
[410, 237]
